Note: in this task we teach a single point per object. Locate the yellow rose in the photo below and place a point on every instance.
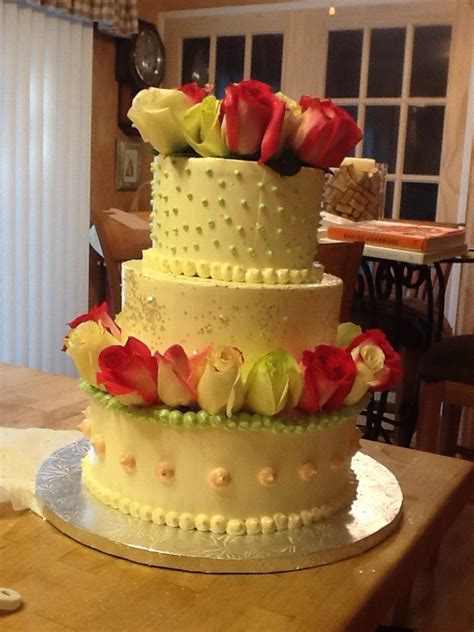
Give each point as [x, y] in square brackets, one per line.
[202, 128]
[84, 344]
[293, 113]
[275, 382]
[158, 114]
[220, 388]
[370, 362]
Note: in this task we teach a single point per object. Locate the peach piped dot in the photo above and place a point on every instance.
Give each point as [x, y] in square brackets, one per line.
[219, 478]
[98, 443]
[127, 461]
[85, 427]
[267, 476]
[307, 471]
[164, 471]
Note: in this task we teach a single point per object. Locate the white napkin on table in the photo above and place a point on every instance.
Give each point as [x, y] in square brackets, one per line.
[22, 451]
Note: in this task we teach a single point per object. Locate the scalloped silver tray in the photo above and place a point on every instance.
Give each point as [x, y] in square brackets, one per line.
[373, 516]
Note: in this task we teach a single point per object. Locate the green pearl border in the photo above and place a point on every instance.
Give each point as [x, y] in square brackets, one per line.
[239, 421]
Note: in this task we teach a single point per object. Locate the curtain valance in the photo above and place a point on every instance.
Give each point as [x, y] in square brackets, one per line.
[116, 17]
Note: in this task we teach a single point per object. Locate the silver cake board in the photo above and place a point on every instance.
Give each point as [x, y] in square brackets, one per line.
[373, 516]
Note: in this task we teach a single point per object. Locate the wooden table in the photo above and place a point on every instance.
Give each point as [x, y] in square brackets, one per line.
[67, 586]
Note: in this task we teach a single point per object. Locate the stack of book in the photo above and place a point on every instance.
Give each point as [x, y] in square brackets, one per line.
[404, 240]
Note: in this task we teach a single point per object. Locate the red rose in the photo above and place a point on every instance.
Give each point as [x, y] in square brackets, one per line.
[101, 315]
[194, 93]
[325, 134]
[252, 119]
[129, 372]
[392, 370]
[179, 374]
[329, 373]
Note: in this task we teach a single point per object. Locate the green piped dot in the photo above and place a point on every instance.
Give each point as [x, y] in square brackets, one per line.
[237, 173]
[233, 250]
[279, 231]
[165, 197]
[185, 227]
[243, 202]
[189, 418]
[273, 188]
[196, 246]
[240, 228]
[216, 243]
[166, 174]
[262, 206]
[185, 249]
[256, 424]
[205, 202]
[278, 427]
[202, 418]
[230, 424]
[160, 195]
[299, 429]
[244, 425]
[293, 219]
[176, 418]
[173, 249]
[199, 229]
[216, 420]
[211, 223]
[269, 253]
[173, 161]
[175, 231]
[175, 210]
[178, 188]
[260, 185]
[209, 171]
[189, 196]
[221, 200]
[280, 209]
[251, 251]
[267, 422]
[167, 232]
[227, 219]
[158, 225]
[163, 415]
[166, 212]
[188, 171]
[259, 227]
[221, 183]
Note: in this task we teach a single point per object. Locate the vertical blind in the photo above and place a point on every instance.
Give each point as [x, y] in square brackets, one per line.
[45, 109]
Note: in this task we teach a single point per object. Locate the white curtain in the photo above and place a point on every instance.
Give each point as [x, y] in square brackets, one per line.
[45, 109]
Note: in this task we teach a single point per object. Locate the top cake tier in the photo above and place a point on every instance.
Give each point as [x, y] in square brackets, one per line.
[234, 220]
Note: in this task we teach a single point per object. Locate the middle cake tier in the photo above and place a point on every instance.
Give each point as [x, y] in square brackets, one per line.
[163, 310]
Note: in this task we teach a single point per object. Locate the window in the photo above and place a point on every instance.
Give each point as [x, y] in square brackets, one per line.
[393, 81]
[223, 59]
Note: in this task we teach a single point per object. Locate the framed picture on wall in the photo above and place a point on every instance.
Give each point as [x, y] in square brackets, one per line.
[128, 165]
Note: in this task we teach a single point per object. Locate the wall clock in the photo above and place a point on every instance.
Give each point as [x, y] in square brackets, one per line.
[139, 64]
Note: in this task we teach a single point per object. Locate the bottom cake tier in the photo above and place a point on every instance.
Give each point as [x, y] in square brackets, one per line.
[246, 474]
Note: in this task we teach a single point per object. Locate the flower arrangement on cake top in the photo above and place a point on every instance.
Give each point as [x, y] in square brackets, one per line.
[323, 379]
[249, 122]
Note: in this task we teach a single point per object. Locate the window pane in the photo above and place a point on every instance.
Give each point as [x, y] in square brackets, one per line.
[429, 73]
[419, 200]
[195, 66]
[352, 111]
[424, 137]
[229, 62]
[343, 68]
[388, 207]
[387, 47]
[381, 134]
[267, 55]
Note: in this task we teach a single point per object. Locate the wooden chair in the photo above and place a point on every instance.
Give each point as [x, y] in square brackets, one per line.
[342, 259]
[446, 387]
[120, 242]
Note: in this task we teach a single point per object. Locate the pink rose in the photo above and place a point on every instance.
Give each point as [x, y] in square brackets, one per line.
[329, 373]
[325, 134]
[252, 119]
[178, 375]
[194, 93]
[129, 373]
